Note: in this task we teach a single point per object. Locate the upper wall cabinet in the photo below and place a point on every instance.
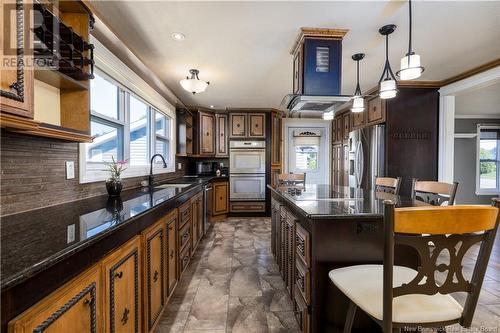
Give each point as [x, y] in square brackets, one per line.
[247, 125]
[16, 73]
[206, 133]
[221, 145]
[276, 138]
[45, 80]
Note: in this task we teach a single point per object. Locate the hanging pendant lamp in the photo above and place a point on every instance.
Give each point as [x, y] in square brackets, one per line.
[410, 63]
[193, 84]
[387, 85]
[358, 103]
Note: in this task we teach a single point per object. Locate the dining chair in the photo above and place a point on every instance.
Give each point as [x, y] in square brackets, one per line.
[400, 297]
[388, 185]
[434, 193]
[292, 179]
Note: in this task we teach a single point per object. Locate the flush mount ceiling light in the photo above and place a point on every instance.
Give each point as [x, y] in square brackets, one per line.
[193, 84]
[358, 101]
[387, 86]
[328, 115]
[410, 63]
[178, 36]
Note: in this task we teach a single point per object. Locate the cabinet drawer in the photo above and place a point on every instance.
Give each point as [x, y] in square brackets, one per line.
[247, 206]
[376, 110]
[303, 245]
[301, 313]
[184, 214]
[184, 236]
[184, 258]
[303, 280]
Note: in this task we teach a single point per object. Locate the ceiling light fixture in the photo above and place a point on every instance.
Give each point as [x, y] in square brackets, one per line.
[387, 86]
[410, 63]
[358, 103]
[328, 115]
[212, 106]
[193, 84]
[178, 36]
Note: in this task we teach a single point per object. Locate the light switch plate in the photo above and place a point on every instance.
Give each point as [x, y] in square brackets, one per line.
[70, 169]
[179, 166]
[71, 233]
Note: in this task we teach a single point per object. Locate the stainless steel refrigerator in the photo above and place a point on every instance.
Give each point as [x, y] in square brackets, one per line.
[366, 156]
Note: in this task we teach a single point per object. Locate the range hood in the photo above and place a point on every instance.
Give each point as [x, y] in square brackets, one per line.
[317, 73]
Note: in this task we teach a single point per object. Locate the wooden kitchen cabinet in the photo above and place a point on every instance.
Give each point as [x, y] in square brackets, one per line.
[75, 307]
[122, 288]
[172, 253]
[154, 273]
[276, 146]
[16, 73]
[196, 221]
[346, 123]
[220, 199]
[275, 171]
[358, 120]
[237, 125]
[206, 133]
[221, 144]
[376, 111]
[256, 125]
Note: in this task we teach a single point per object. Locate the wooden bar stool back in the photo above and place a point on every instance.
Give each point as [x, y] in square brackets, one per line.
[434, 193]
[388, 185]
[292, 179]
[397, 296]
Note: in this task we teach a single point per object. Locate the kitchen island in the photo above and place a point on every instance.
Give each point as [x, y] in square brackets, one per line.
[324, 227]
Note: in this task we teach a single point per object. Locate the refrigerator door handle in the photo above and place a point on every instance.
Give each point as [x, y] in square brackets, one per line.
[359, 164]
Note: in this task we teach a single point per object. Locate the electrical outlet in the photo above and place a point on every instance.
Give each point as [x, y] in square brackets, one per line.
[70, 169]
[179, 166]
[71, 233]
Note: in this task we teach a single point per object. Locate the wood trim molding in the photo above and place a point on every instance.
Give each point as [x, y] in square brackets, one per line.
[305, 32]
[471, 72]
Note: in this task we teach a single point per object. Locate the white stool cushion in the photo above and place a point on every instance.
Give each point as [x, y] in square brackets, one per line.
[363, 284]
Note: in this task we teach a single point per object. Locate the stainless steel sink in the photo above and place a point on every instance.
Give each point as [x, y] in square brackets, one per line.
[173, 185]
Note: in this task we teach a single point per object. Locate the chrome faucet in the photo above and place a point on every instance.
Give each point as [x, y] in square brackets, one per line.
[151, 178]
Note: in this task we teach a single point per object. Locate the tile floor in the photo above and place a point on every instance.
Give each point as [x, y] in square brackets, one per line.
[233, 285]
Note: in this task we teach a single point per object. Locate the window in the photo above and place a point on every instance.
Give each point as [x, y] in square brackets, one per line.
[488, 162]
[306, 157]
[124, 127]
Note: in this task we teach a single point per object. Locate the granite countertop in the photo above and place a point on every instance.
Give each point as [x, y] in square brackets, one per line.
[34, 240]
[325, 201]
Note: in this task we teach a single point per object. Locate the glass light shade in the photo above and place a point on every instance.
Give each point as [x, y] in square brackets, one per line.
[358, 104]
[328, 115]
[410, 67]
[194, 86]
[388, 89]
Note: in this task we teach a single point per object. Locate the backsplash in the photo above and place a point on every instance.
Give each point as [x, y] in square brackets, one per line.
[33, 174]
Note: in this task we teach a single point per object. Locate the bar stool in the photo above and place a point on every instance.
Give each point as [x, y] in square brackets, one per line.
[388, 185]
[397, 296]
[434, 193]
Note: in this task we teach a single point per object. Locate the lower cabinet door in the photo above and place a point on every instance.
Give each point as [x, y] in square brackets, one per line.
[221, 196]
[172, 253]
[122, 293]
[194, 223]
[153, 240]
[76, 307]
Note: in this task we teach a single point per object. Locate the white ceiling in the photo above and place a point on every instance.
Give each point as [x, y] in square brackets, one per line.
[242, 48]
[484, 101]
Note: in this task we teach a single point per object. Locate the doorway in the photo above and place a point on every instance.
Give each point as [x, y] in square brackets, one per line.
[306, 149]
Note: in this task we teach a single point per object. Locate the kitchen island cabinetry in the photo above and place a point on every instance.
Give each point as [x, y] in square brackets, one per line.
[322, 228]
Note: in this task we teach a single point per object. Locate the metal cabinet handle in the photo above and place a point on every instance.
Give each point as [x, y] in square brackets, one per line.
[119, 275]
[125, 316]
[16, 86]
[155, 276]
[87, 301]
[172, 253]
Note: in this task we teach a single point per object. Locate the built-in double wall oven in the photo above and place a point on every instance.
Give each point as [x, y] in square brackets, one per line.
[247, 170]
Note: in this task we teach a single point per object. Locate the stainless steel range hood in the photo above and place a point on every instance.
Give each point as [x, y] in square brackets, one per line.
[312, 105]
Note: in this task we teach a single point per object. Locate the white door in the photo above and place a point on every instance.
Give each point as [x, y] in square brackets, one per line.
[307, 152]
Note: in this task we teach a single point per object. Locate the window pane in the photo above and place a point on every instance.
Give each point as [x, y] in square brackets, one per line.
[488, 175]
[104, 97]
[161, 148]
[306, 157]
[138, 132]
[106, 144]
[489, 158]
[160, 124]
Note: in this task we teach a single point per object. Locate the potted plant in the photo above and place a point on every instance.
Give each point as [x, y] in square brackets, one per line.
[114, 184]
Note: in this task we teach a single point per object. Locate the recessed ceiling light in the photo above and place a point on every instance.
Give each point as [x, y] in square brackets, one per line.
[212, 106]
[178, 36]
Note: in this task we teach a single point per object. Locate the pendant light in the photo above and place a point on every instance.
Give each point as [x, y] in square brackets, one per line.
[193, 84]
[410, 63]
[387, 86]
[358, 103]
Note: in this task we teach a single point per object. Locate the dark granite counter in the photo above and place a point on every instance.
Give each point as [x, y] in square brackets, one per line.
[325, 201]
[34, 241]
